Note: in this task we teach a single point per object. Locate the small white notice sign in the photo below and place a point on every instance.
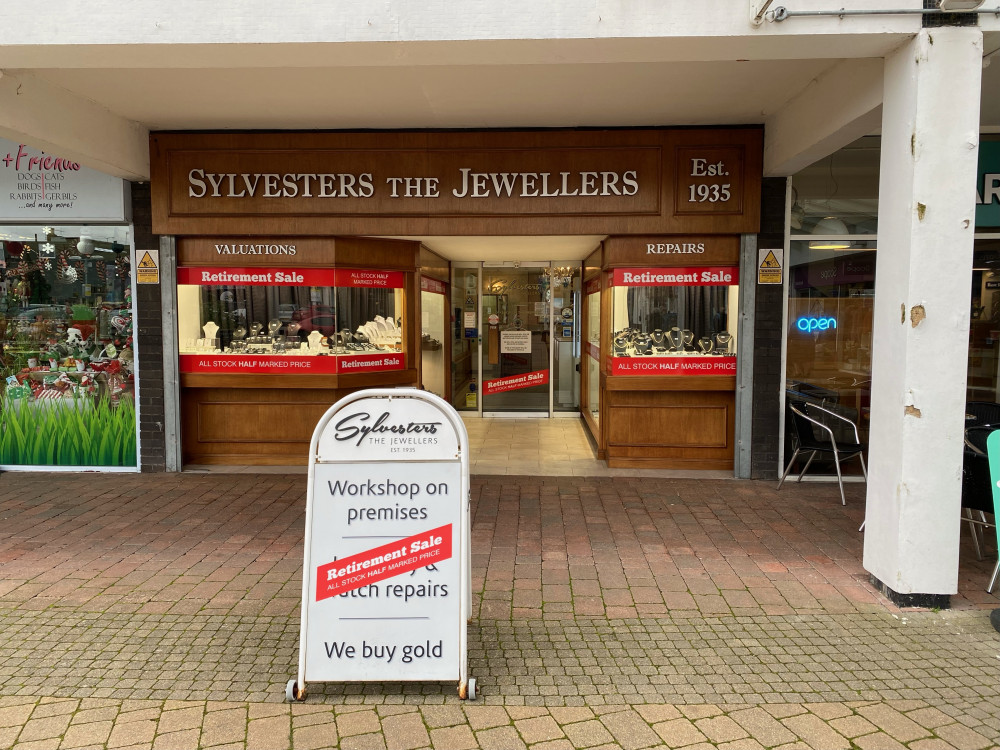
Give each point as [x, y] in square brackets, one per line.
[386, 592]
[515, 342]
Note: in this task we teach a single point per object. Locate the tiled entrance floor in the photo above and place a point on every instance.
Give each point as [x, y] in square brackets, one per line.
[547, 447]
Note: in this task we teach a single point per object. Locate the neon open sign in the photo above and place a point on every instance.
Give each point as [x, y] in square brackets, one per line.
[815, 324]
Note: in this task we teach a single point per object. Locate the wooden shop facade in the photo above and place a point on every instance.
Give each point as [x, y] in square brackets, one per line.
[307, 265]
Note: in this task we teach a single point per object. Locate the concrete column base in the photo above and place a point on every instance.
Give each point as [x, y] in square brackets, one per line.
[926, 601]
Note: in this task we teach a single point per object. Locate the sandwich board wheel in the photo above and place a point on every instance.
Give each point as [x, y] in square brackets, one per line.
[292, 692]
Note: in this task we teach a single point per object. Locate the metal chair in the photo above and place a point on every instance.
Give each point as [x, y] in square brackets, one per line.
[977, 494]
[811, 432]
[977, 491]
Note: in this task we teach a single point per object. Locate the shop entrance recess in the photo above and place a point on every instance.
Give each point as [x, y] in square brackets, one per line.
[516, 348]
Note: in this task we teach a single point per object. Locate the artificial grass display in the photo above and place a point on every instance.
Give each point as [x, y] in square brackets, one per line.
[83, 433]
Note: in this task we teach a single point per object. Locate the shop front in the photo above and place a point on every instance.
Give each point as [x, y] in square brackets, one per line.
[310, 265]
[833, 243]
[66, 316]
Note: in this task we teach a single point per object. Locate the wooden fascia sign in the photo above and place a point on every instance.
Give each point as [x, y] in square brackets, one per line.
[669, 181]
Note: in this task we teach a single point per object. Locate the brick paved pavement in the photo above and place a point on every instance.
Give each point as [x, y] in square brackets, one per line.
[161, 612]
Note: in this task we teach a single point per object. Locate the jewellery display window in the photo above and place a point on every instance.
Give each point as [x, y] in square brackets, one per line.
[290, 320]
[674, 321]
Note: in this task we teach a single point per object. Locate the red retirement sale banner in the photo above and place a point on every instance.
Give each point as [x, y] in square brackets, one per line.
[342, 277]
[278, 363]
[515, 382]
[673, 365]
[693, 276]
[257, 276]
[383, 562]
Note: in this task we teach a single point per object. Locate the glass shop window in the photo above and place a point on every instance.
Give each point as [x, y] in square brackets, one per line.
[831, 297]
[983, 382]
[674, 321]
[288, 321]
[66, 347]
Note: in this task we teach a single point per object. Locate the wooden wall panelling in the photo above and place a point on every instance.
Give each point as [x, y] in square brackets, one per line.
[251, 426]
[277, 252]
[671, 250]
[377, 254]
[593, 263]
[324, 252]
[606, 301]
[264, 425]
[388, 379]
[672, 383]
[585, 406]
[671, 429]
[434, 266]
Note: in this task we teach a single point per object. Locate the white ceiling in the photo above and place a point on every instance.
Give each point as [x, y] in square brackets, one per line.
[613, 94]
[524, 249]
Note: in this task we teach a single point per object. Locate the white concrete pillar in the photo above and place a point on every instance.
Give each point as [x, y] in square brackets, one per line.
[930, 136]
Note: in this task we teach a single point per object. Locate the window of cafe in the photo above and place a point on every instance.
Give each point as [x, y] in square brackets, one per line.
[831, 284]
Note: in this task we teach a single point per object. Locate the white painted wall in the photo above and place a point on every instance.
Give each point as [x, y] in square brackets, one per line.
[194, 22]
[930, 133]
[92, 79]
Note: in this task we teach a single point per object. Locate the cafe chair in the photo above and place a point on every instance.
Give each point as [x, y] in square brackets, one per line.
[812, 431]
[982, 413]
[977, 492]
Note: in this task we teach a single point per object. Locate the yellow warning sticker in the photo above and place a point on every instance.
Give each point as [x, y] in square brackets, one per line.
[148, 269]
[769, 267]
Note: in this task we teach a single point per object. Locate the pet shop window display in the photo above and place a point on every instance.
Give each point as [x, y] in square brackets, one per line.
[67, 352]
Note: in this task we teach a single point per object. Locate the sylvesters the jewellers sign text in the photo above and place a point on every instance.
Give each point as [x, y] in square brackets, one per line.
[614, 181]
[202, 184]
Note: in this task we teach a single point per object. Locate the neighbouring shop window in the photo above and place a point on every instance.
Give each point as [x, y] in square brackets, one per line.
[838, 196]
[280, 320]
[66, 347]
[674, 321]
[831, 297]
[983, 382]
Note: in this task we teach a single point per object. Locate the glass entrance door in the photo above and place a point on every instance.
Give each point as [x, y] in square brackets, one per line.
[515, 320]
[516, 344]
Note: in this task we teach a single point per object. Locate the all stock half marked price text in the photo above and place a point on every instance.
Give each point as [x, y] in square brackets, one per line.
[383, 562]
